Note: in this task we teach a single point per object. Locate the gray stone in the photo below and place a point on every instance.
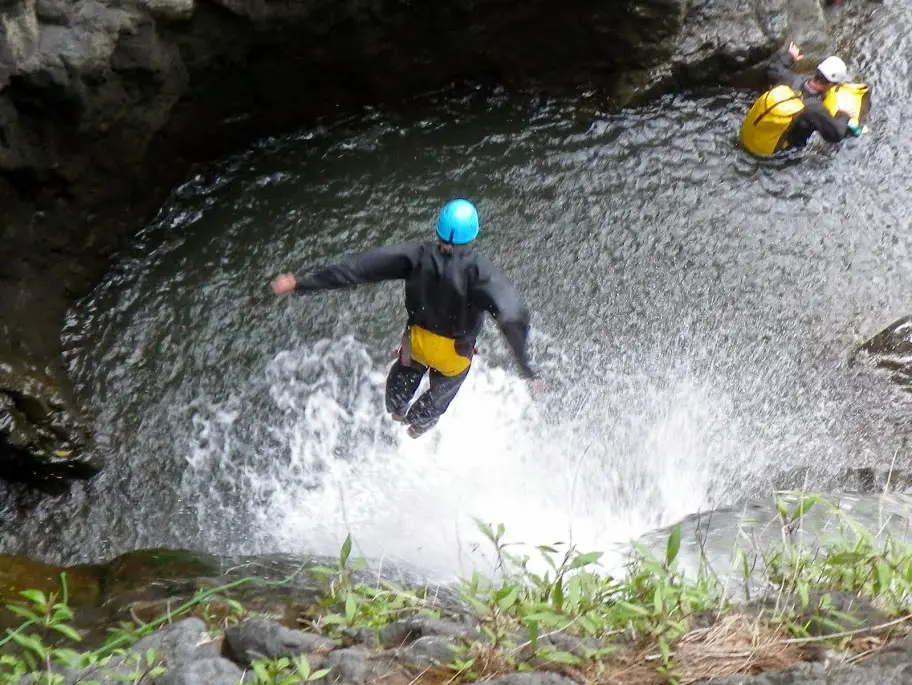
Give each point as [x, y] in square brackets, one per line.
[559, 641]
[256, 638]
[180, 643]
[403, 632]
[209, 671]
[430, 651]
[534, 678]
[357, 666]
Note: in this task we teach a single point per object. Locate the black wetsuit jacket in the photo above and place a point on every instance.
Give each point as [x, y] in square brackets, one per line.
[446, 294]
[815, 117]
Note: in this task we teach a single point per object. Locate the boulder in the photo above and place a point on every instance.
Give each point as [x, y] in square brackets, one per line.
[257, 638]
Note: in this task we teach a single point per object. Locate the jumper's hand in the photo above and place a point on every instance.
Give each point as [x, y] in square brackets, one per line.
[795, 52]
[283, 283]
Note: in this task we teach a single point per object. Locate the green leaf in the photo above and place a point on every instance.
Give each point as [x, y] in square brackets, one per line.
[803, 595]
[302, 664]
[350, 607]
[673, 546]
[476, 604]
[486, 530]
[782, 509]
[35, 596]
[547, 619]
[557, 594]
[25, 613]
[884, 575]
[62, 612]
[29, 642]
[322, 571]
[634, 608]
[333, 619]
[559, 657]
[322, 673]
[533, 635]
[346, 550]
[64, 629]
[585, 559]
[509, 600]
[804, 507]
[261, 671]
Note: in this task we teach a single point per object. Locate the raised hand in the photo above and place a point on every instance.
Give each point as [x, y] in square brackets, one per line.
[283, 283]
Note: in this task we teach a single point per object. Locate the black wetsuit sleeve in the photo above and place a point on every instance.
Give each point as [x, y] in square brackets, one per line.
[779, 72]
[831, 129]
[496, 295]
[391, 262]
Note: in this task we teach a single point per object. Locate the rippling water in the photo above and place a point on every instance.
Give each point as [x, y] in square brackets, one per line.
[694, 312]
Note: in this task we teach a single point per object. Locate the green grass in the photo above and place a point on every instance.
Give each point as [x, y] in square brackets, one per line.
[574, 616]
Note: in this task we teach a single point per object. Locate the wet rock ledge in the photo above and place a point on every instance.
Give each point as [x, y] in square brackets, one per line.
[105, 104]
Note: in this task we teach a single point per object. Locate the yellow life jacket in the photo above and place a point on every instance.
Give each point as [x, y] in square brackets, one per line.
[847, 97]
[436, 351]
[763, 129]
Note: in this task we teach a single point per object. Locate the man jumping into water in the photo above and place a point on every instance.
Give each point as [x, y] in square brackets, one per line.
[448, 288]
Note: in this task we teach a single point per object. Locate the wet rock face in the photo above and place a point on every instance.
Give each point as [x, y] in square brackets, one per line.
[719, 41]
[104, 104]
[42, 440]
[86, 86]
[891, 349]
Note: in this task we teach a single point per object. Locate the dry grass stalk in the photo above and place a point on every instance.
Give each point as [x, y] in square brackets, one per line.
[736, 645]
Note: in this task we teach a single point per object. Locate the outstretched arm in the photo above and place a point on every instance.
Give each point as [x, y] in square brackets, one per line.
[498, 296]
[832, 129]
[387, 263]
[779, 68]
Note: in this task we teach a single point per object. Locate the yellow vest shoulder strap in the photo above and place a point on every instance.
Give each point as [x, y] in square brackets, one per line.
[780, 96]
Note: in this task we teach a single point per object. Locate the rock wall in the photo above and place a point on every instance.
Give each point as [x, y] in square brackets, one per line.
[104, 104]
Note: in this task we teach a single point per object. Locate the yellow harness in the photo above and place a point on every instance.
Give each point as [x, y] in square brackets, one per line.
[436, 351]
[763, 129]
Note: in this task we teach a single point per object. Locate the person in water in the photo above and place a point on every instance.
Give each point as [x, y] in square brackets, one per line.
[448, 288]
[829, 73]
[795, 106]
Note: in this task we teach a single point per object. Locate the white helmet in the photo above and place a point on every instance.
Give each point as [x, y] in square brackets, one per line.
[833, 70]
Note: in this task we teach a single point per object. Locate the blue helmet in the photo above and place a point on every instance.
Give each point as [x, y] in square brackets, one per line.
[458, 222]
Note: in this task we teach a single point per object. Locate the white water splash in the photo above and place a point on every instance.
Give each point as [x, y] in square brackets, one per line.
[593, 475]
